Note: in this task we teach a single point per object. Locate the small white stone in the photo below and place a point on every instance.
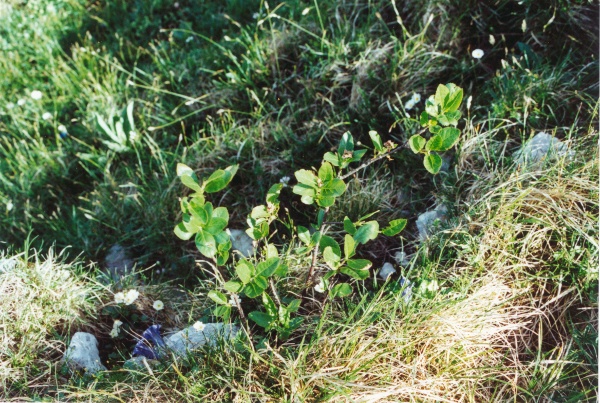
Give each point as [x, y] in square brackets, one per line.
[386, 271]
[83, 354]
[241, 242]
[401, 258]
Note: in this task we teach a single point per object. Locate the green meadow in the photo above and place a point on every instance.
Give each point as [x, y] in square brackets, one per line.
[102, 101]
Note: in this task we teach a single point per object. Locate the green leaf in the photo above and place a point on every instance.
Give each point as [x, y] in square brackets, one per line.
[434, 143]
[341, 290]
[450, 136]
[359, 264]
[256, 287]
[435, 129]
[440, 95]
[221, 212]
[416, 143]
[219, 179]
[354, 273]
[333, 188]
[358, 154]
[346, 144]
[271, 251]
[349, 226]
[281, 270]
[367, 232]
[222, 257]
[326, 172]
[325, 201]
[307, 200]
[206, 244]
[454, 99]
[196, 208]
[268, 267]
[183, 169]
[326, 241]
[332, 158]
[424, 119]
[433, 162]
[191, 223]
[261, 319]
[304, 190]
[331, 258]
[395, 227]
[233, 286]
[294, 305]
[349, 246]
[273, 193]
[218, 297]
[376, 139]
[181, 232]
[269, 304]
[191, 181]
[453, 117]
[245, 271]
[306, 177]
[304, 234]
[223, 311]
[216, 225]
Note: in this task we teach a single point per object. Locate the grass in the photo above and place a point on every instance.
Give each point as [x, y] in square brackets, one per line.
[271, 87]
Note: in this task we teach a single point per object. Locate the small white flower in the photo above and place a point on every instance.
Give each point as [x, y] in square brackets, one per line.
[409, 104]
[62, 129]
[199, 326]
[285, 180]
[131, 296]
[119, 298]
[114, 332]
[21, 102]
[46, 116]
[158, 305]
[469, 101]
[255, 16]
[320, 288]
[189, 39]
[10, 105]
[416, 98]
[117, 324]
[524, 25]
[82, 49]
[477, 53]
[37, 95]
[492, 40]
[234, 300]
[306, 11]
[9, 205]
[227, 38]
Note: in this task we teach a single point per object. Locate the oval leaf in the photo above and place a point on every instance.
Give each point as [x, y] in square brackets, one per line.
[433, 162]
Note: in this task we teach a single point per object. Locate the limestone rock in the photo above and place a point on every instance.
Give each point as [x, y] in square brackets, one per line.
[190, 339]
[241, 242]
[540, 147]
[83, 354]
[427, 220]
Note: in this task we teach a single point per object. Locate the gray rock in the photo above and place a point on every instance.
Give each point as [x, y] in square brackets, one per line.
[426, 221]
[386, 271]
[241, 242]
[190, 339]
[539, 148]
[118, 263]
[83, 354]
